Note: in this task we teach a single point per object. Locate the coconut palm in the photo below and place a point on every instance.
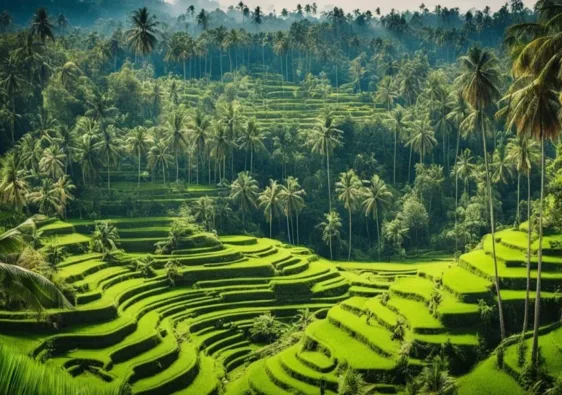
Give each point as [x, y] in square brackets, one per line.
[386, 93]
[53, 162]
[204, 211]
[63, 190]
[292, 197]
[479, 82]
[349, 190]
[87, 156]
[271, 203]
[502, 168]
[244, 191]
[142, 36]
[534, 109]
[219, 146]
[523, 153]
[13, 184]
[158, 156]
[139, 142]
[465, 168]
[325, 137]
[177, 135]
[198, 127]
[435, 379]
[376, 197]
[18, 283]
[41, 26]
[251, 139]
[109, 148]
[12, 81]
[105, 238]
[45, 198]
[66, 140]
[330, 228]
[423, 138]
[45, 126]
[69, 72]
[232, 118]
[398, 124]
[30, 152]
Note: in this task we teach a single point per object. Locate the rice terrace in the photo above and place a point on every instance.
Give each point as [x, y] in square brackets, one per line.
[209, 198]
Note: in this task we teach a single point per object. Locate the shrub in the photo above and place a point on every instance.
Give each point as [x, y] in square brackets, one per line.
[266, 329]
[522, 348]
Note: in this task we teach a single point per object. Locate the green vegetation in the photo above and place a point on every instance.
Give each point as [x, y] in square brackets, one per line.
[145, 155]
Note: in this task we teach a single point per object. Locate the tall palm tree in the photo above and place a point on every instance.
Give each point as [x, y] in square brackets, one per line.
[13, 184]
[479, 81]
[523, 153]
[219, 146]
[244, 191]
[105, 238]
[22, 284]
[87, 156]
[464, 168]
[158, 156]
[63, 190]
[423, 138]
[109, 147]
[45, 198]
[270, 202]
[376, 197]
[53, 162]
[143, 34]
[198, 127]
[177, 135]
[330, 228]
[41, 26]
[397, 122]
[12, 80]
[502, 168]
[232, 118]
[251, 139]
[139, 142]
[292, 197]
[349, 190]
[535, 110]
[325, 137]
[386, 93]
[204, 211]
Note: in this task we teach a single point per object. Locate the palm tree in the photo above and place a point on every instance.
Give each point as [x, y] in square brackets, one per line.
[435, 379]
[325, 137]
[69, 72]
[53, 162]
[244, 191]
[22, 284]
[251, 139]
[479, 81]
[198, 127]
[204, 211]
[45, 198]
[422, 140]
[464, 168]
[257, 17]
[534, 109]
[62, 22]
[376, 196]
[13, 184]
[159, 156]
[292, 197]
[220, 145]
[12, 80]
[270, 202]
[232, 118]
[177, 136]
[386, 93]
[63, 190]
[87, 156]
[523, 153]
[104, 239]
[330, 228]
[139, 142]
[142, 36]
[41, 26]
[396, 121]
[502, 168]
[109, 148]
[349, 190]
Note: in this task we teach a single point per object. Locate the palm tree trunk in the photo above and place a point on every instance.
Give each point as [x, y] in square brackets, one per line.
[517, 216]
[177, 169]
[108, 178]
[328, 172]
[298, 238]
[164, 173]
[535, 350]
[493, 229]
[198, 158]
[251, 160]
[378, 233]
[349, 246]
[410, 165]
[331, 255]
[395, 148]
[288, 229]
[138, 182]
[270, 223]
[529, 232]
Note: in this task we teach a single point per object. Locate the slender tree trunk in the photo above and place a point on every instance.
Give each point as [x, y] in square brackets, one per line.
[328, 171]
[535, 350]
[270, 224]
[251, 160]
[378, 232]
[108, 177]
[349, 247]
[529, 234]
[177, 169]
[395, 148]
[288, 229]
[518, 216]
[331, 255]
[493, 229]
[139, 156]
[198, 156]
[410, 164]
[298, 238]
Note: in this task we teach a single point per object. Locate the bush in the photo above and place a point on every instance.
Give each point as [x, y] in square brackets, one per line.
[266, 329]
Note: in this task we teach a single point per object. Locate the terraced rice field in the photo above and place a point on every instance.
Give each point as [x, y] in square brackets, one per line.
[192, 336]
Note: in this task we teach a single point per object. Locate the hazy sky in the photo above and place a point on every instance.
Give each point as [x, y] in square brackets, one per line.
[385, 6]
